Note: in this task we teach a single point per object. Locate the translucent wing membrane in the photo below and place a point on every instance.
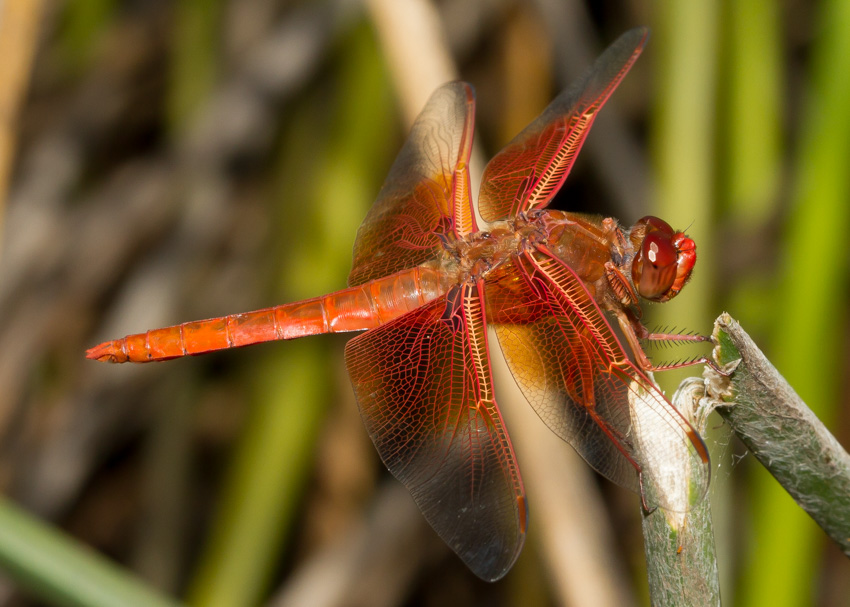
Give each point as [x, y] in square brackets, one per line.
[426, 397]
[529, 171]
[426, 194]
[576, 375]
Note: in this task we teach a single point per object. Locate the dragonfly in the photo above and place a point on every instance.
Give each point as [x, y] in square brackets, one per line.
[426, 283]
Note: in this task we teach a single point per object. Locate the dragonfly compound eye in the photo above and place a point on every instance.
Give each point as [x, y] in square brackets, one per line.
[664, 260]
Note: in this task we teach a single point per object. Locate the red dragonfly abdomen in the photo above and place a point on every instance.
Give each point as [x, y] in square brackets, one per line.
[354, 309]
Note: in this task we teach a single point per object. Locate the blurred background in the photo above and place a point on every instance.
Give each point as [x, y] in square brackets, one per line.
[168, 161]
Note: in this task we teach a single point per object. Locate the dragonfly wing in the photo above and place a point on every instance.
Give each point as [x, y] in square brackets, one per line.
[576, 375]
[426, 397]
[530, 170]
[426, 194]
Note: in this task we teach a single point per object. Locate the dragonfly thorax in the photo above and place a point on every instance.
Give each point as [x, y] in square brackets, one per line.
[483, 252]
[649, 261]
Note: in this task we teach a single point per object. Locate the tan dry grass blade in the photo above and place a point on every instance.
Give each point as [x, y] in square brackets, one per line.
[19, 26]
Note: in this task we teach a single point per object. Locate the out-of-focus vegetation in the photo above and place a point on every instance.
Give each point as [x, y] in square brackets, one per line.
[187, 159]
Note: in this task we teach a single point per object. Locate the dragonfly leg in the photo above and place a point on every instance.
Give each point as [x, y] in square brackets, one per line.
[691, 337]
[635, 331]
[620, 285]
[643, 333]
[702, 360]
[646, 508]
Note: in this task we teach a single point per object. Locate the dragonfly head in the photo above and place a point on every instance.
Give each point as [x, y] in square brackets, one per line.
[663, 259]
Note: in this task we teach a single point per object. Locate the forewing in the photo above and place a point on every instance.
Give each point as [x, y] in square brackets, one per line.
[574, 372]
[426, 194]
[426, 397]
[530, 170]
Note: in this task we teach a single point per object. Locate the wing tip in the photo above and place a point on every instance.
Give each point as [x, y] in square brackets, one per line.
[640, 36]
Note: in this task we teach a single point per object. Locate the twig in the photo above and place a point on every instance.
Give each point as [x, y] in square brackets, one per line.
[680, 553]
[781, 431]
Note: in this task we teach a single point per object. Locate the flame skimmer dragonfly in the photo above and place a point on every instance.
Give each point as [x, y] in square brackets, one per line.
[426, 283]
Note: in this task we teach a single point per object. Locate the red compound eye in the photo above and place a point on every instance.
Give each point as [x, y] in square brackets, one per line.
[656, 266]
[663, 262]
